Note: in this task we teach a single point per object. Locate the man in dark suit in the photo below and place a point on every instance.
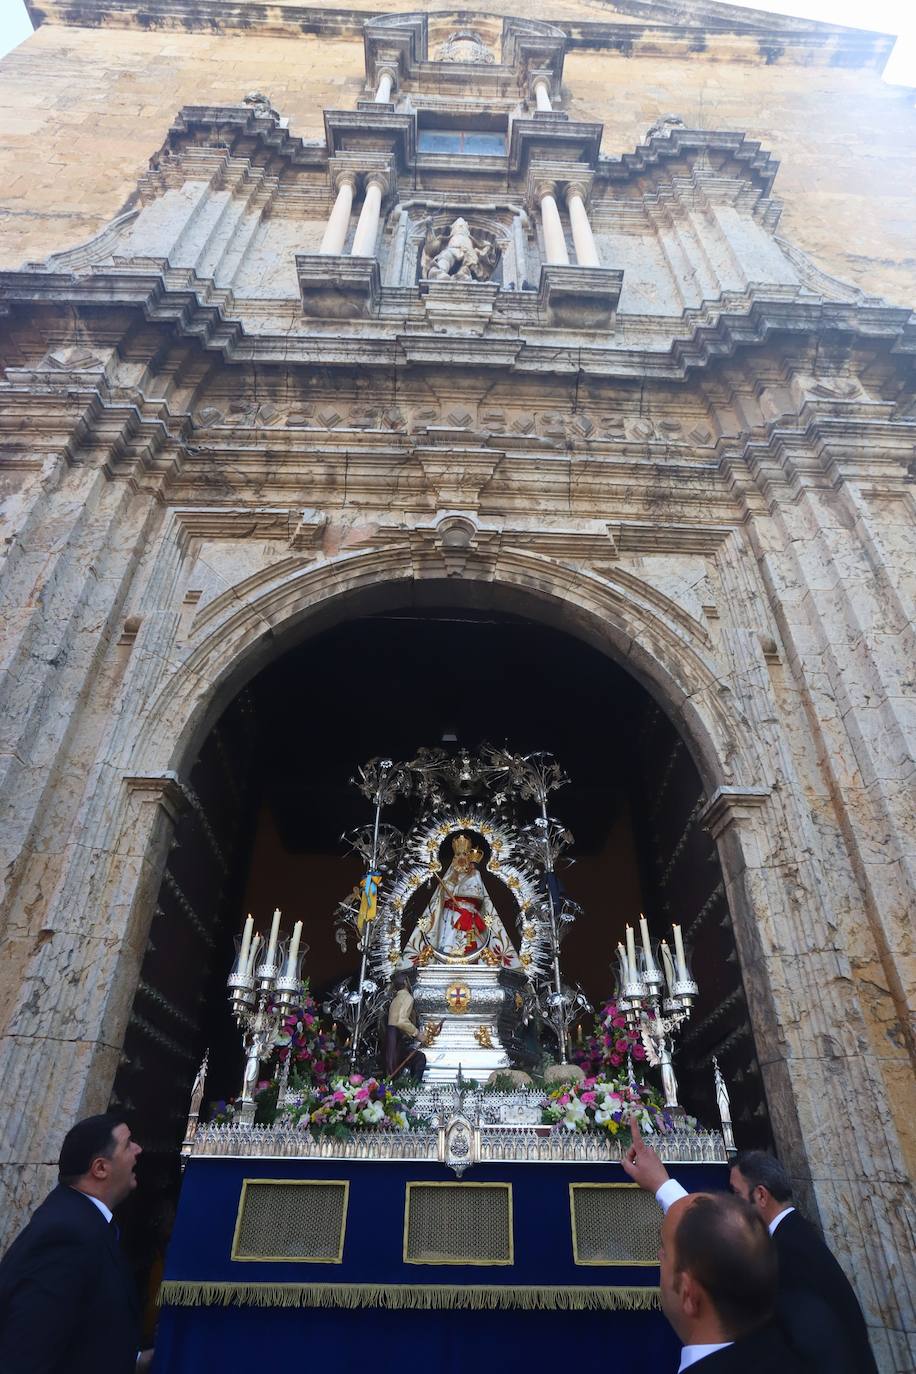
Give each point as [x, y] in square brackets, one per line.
[805, 1309]
[717, 1277]
[806, 1266]
[68, 1302]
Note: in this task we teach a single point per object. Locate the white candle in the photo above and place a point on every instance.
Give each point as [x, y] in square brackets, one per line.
[623, 966]
[668, 964]
[644, 929]
[256, 944]
[294, 950]
[631, 955]
[247, 929]
[274, 934]
[679, 951]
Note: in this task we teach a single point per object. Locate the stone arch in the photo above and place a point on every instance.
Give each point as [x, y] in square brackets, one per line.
[667, 650]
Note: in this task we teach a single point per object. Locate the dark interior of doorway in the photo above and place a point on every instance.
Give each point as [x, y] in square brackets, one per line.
[269, 796]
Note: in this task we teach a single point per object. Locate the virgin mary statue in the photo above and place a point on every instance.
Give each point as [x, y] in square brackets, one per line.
[460, 921]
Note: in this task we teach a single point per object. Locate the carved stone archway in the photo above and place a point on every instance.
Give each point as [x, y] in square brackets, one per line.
[171, 702]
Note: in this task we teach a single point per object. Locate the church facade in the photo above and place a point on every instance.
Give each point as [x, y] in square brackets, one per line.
[310, 313]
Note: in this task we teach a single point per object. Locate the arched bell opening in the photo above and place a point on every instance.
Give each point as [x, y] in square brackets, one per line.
[269, 796]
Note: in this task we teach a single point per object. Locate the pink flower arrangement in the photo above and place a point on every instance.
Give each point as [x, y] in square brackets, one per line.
[608, 1104]
[610, 1042]
[353, 1103]
[311, 1044]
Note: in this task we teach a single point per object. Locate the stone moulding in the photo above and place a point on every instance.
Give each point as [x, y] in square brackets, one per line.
[538, 138]
[721, 330]
[666, 30]
[359, 130]
[533, 140]
[579, 297]
[338, 288]
[728, 804]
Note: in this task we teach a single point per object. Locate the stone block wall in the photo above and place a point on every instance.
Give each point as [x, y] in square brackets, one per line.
[82, 111]
[97, 104]
[186, 496]
[844, 141]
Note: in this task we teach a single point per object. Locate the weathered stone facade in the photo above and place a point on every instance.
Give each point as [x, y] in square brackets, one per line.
[651, 419]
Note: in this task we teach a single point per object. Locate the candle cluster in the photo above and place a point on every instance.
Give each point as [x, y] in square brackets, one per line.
[675, 970]
[646, 1010]
[251, 944]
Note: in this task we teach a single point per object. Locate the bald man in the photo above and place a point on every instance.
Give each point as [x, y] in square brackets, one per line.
[718, 1287]
[813, 1329]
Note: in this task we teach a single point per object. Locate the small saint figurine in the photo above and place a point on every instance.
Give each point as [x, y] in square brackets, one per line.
[456, 255]
[401, 1048]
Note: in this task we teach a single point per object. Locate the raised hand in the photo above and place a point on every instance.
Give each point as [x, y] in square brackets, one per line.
[642, 1164]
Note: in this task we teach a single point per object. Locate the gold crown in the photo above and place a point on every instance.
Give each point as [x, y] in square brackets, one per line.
[461, 849]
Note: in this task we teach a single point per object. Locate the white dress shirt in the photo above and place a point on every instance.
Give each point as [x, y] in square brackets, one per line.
[691, 1353]
[669, 1193]
[781, 1217]
[106, 1211]
[671, 1190]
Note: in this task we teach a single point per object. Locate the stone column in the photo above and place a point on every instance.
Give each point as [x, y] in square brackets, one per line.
[542, 94]
[367, 224]
[586, 250]
[386, 78]
[335, 235]
[554, 238]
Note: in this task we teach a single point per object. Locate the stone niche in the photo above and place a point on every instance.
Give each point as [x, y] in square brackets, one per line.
[426, 241]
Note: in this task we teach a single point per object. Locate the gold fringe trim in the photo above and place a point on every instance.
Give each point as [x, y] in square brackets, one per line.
[183, 1293]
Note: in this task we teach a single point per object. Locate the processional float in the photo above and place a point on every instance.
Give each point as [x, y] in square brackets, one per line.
[482, 997]
[334, 1201]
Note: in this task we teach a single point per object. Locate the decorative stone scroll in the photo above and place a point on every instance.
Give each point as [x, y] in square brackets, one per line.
[465, 45]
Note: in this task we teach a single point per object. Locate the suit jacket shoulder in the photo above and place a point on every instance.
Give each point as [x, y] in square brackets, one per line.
[807, 1265]
[760, 1352]
[67, 1299]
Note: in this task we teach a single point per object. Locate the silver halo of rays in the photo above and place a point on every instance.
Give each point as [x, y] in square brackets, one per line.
[420, 863]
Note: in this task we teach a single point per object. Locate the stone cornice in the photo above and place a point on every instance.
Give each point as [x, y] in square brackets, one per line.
[667, 30]
[720, 330]
[532, 140]
[242, 122]
[165, 789]
[660, 148]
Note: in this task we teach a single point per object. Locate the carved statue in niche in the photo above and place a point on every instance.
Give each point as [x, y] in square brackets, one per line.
[456, 255]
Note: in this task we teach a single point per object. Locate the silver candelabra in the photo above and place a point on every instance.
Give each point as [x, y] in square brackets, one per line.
[656, 994]
[262, 992]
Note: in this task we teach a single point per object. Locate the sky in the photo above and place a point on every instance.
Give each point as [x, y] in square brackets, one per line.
[885, 16]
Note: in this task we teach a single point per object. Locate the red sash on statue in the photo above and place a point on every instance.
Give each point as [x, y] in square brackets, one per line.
[468, 919]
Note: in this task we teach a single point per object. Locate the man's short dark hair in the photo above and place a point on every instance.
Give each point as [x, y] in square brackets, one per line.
[84, 1142]
[763, 1171]
[724, 1244]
